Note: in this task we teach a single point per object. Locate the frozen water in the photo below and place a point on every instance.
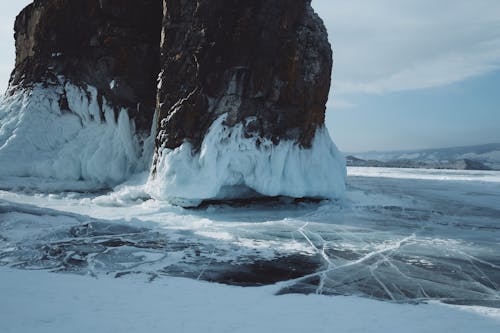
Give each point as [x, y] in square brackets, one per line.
[400, 238]
[78, 146]
[60, 136]
[229, 163]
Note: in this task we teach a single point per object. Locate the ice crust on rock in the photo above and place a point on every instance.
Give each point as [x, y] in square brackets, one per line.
[82, 141]
[231, 165]
[83, 146]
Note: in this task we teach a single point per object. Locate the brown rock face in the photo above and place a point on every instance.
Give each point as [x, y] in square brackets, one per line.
[264, 63]
[112, 45]
[257, 68]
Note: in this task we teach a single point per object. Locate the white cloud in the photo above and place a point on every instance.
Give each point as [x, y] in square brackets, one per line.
[392, 45]
[336, 103]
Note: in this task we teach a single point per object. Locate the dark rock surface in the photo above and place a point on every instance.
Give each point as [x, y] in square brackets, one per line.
[270, 60]
[94, 42]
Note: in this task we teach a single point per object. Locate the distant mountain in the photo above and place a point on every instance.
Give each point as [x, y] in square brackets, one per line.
[464, 164]
[480, 157]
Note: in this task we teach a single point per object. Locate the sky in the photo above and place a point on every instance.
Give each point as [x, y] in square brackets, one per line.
[407, 74]
[8, 12]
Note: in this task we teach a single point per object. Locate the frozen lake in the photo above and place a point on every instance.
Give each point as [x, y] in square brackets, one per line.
[400, 235]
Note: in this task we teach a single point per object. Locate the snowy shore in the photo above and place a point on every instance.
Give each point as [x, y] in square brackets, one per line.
[34, 301]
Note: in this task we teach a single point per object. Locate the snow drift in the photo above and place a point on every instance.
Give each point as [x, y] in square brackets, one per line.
[82, 141]
[231, 165]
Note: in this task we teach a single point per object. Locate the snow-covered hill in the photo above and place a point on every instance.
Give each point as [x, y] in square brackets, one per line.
[487, 154]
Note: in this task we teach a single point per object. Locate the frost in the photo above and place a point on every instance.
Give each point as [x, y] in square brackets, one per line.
[81, 141]
[231, 165]
[65, 137]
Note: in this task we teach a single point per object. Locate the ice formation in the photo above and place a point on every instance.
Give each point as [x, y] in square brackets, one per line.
[82, 141]
[85, 143]
[232, 165]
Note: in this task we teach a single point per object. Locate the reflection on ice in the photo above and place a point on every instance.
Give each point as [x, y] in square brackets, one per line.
[402, 240]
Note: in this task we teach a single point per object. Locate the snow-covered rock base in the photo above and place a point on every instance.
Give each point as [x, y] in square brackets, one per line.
[231, 165]
[64, 137]
[78, 141]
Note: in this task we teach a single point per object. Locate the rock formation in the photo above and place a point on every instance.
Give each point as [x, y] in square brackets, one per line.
[270, 60]
[112, 45]
[82, 96]
[239, 105]
[244, 83]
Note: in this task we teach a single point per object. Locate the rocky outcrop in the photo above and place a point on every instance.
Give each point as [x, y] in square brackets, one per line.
[112, 45]
[81, 99]
[266, 64]
[241, 102]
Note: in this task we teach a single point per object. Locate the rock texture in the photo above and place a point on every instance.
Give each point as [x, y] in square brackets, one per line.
[266, 64]
[239, 103]
[112, 45]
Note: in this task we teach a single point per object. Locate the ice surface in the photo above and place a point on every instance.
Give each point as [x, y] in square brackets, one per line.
[230, 163]
[395, 239]
[81, 145]
[428, 174]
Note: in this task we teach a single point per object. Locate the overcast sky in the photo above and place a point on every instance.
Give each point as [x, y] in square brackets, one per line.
[8, 12]
[407, 74]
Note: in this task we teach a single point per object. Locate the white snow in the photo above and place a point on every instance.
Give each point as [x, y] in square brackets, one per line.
[229, 163]
[46, 147]
[34, 301]
[84, 146]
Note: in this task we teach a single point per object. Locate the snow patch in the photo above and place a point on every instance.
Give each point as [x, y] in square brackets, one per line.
[230, 164]
[38, 301]
[42, 136]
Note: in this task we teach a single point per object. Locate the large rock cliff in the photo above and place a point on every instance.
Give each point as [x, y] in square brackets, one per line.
[112, 45]
[82, 96]
[239, 102]
[270, 60]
